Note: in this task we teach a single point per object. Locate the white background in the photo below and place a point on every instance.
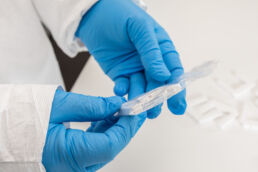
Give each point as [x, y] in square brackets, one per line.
[201, 30]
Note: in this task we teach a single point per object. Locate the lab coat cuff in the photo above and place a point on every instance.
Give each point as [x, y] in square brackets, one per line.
[24, 118]
[73, 45]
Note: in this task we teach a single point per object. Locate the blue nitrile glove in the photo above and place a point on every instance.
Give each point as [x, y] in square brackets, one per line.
[124, 39]
[72, 150]
[137, 84]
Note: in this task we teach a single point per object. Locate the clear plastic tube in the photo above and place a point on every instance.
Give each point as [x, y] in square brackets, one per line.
[161, 94]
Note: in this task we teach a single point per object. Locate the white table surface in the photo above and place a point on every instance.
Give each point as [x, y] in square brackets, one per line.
[201, 30]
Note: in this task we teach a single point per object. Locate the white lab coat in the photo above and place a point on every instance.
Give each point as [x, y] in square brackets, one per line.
[26, 57]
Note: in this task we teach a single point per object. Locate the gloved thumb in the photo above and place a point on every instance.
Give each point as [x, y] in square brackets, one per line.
[72, 107]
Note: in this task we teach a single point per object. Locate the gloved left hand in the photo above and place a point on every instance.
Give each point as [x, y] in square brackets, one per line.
[124, 40]
[71, 150]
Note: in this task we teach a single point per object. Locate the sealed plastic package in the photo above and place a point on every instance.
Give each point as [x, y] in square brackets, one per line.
[161, 94]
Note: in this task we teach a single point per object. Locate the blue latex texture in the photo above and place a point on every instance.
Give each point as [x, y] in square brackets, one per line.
[73, 150]
[124, 39]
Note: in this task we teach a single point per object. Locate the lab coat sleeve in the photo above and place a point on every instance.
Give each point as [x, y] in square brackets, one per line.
[24, 119]
[62, 18]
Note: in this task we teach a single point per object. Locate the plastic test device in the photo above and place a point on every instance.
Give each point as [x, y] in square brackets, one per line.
[160, 94]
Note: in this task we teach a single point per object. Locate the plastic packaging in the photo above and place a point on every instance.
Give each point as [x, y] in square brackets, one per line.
[233, 83]
[249, 117]
[207, 110]
[160, 94]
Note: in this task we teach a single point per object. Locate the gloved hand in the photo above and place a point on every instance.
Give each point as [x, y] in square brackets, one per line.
[124, 40]
[71, 150]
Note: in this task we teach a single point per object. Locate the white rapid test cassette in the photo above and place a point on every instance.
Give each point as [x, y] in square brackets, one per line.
[160, 94]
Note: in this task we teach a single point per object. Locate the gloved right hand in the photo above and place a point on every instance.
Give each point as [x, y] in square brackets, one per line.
[71, 150]
[124, 39]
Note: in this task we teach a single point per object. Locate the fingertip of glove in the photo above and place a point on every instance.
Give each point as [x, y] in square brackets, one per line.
[161, 76]
[175, 74]
[120, 91]
[178, 108]
[115, 102]
[121, 86]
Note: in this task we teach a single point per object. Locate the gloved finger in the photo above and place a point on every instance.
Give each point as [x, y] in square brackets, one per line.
[122, 132]
[68, 107]
[141, 33]
[92, 126]
[90, 149]
[102, 126]
[152, 84]
[168, 50]
[176, 104]
[137, 85]
[121, 86]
